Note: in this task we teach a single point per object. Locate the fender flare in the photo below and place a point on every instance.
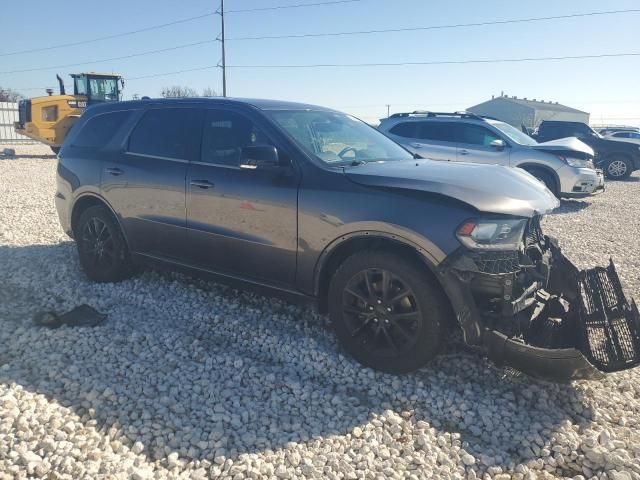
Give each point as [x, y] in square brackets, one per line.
[102, 200]
[429, 252]
[544, 168]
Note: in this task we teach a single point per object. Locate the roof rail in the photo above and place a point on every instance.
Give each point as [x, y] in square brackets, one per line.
[426, 113]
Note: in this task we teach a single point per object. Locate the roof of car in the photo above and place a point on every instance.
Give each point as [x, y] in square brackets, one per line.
[262, 104]
[422, 116]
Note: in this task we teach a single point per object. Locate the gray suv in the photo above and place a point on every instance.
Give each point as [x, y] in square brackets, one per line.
[317, 206]
[564, 166]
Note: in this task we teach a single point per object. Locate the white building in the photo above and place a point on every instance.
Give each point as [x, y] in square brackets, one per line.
[530, 113]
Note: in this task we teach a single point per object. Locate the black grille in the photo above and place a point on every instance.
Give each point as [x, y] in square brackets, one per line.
[611, 324]
[533, 234]
[497, 262]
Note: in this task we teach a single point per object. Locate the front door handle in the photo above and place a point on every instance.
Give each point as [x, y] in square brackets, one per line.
[464, 152]
[114, 171]
[202, 184]
[417, 145]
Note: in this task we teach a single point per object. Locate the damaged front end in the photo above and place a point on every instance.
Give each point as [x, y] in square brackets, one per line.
[532, 309]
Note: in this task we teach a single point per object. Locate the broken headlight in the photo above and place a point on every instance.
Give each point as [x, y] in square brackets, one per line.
[492, 234]
[578, 163]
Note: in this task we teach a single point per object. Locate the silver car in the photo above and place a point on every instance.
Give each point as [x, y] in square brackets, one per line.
[565, 166]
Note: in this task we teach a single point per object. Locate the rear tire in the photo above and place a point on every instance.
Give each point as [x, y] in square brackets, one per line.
[618, 167]
[395, 329]
[102, 249]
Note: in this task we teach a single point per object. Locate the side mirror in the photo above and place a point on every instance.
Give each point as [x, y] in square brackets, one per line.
[259, 157]
[498, 144]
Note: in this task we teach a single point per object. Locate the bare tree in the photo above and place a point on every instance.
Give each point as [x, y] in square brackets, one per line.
[8, 95]
[178, 91]
[209, 92]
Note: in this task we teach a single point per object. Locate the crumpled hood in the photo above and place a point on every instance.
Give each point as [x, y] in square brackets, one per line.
[488, 188]
[567, 145]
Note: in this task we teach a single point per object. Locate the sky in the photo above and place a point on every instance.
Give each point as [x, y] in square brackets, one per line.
[605, 87]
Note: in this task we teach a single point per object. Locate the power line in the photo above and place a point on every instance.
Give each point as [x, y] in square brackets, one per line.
[140, 54]
[444, 62]
[107, 37]
[438, 27]
[164, 25]
[298, 5]
[441, 62]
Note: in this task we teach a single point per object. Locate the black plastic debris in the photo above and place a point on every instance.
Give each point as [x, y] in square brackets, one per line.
[81, 316]
[611, 324]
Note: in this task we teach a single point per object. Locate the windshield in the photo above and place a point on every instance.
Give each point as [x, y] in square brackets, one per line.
[514, 134]
[103, 89]
[336, 138]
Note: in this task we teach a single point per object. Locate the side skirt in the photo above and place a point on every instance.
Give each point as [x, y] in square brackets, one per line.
[234, 281]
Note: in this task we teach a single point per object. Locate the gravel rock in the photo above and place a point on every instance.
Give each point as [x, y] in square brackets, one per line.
[191, 379]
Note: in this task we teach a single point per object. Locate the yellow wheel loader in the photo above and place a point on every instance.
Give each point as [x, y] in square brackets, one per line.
[48, 119]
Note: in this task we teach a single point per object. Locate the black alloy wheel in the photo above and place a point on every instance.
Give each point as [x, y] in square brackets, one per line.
[381, 311]
[387, 311]
[102, 249]
[98, 243]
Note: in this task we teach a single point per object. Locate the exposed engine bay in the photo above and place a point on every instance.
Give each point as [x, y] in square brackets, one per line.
[534, 310]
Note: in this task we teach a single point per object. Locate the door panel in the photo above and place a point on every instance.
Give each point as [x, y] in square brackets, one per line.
[435, 141]
[241, 222]
[149, 194]
[474, 145]
[145, 183]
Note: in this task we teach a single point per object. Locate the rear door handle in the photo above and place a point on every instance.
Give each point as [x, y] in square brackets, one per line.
[464, 152]
[417, 145]
[202, 184]
[114, 171]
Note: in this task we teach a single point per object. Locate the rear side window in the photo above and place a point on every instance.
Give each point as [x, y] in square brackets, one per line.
[99, 130]
[438, 131]
[405, 129]
[168, 132]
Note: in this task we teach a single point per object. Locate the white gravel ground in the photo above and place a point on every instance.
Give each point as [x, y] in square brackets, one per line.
[188, 379]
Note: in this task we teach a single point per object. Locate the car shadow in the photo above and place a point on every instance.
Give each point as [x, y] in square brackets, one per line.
[571, 206]
[221, 379]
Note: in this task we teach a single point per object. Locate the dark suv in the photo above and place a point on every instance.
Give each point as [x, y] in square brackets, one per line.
[316, 205]
[617, 159]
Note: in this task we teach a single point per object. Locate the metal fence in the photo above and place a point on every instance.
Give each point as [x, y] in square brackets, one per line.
[8, 115]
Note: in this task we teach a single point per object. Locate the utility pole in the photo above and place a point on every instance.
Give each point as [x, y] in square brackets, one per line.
[224, 63]
[388, 107]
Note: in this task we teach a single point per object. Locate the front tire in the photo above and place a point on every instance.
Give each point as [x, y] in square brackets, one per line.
[386, 312]
[102, 249]
[618, 167]
[546, 178]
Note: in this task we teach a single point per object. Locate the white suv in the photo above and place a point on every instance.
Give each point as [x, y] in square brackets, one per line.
[565, 166]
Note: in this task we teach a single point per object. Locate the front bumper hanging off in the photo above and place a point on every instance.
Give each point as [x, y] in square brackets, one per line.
[536, 312]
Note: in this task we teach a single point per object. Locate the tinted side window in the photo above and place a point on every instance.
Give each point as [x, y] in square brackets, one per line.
[622, 135]
[99, 130]
[225, 133]
[475, 135]
[406, 129]
[168, 132]
[439, 131]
